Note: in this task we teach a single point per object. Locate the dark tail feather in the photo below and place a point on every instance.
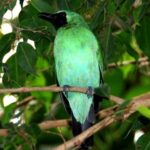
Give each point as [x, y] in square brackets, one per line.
[88, 143]
[79, 128]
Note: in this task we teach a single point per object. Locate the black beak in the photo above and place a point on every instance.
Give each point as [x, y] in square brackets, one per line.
[46, 16]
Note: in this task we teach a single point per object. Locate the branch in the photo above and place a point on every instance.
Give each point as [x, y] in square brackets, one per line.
[142, 61]
[52, 88]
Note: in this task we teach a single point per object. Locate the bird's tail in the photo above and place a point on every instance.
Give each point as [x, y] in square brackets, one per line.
[78, 128]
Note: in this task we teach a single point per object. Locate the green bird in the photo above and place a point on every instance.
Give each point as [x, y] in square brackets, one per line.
[78, 62]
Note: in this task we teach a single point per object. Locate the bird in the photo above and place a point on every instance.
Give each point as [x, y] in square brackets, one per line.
[78, 62]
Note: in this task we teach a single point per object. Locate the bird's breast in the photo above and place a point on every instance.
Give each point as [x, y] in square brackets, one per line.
[75, 58]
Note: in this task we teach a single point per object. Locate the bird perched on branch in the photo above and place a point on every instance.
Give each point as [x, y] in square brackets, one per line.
[78, 62]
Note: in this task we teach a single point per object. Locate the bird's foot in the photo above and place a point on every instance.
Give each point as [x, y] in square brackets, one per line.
[66, 89]
[90, 92]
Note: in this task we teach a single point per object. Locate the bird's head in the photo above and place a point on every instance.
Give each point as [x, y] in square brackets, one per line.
[63, 18]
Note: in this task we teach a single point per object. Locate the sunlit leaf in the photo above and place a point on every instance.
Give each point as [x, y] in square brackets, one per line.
[144, 111]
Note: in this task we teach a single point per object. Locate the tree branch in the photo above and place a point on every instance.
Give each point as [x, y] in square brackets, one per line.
[52, 88]
[143, 61]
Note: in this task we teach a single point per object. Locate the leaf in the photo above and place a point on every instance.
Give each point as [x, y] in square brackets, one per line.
[126, 7]
[6, 42]
[16, 139]
[43, 46]
[142, 34]
[103, 91]
[111, 8]
[144, 111]
[125, 39]
[69, 4]
[143, 142]
[26, 57]
[137, 13]
[114, 78]
[32, 129]
[98, 16]
[8, 113]
[14, 76]
[34, 113]
[108, 45]
[41, 5]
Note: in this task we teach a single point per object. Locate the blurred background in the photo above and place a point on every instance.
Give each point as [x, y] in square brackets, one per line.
[26, 55]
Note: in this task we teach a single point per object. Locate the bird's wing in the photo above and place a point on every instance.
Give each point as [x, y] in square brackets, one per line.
[101, 65]
[64, 101]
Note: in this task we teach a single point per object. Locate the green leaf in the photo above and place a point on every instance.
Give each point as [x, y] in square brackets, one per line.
[145, 111]
[69, 4]
[14, 76]
[32, 129]
[26, 57]
[6, 41]
[142, 34]
[137, 14]
[103, 91]
[41, 5]
[111, 8]
[43, 46]
[8, 113]
[125, 39]
[143, 142]
[34, 113]
[126, 7]
[108, 44]
[98, 16]
[114, 78]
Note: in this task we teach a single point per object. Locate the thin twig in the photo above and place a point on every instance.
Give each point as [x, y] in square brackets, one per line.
[143, 61]
[24, 101]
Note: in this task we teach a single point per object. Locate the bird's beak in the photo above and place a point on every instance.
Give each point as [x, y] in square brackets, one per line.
[46, 16]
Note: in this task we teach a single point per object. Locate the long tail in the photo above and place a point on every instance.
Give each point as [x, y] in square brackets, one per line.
[79, 128]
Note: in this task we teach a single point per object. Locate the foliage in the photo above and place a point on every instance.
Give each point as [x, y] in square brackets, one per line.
[122, 29]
